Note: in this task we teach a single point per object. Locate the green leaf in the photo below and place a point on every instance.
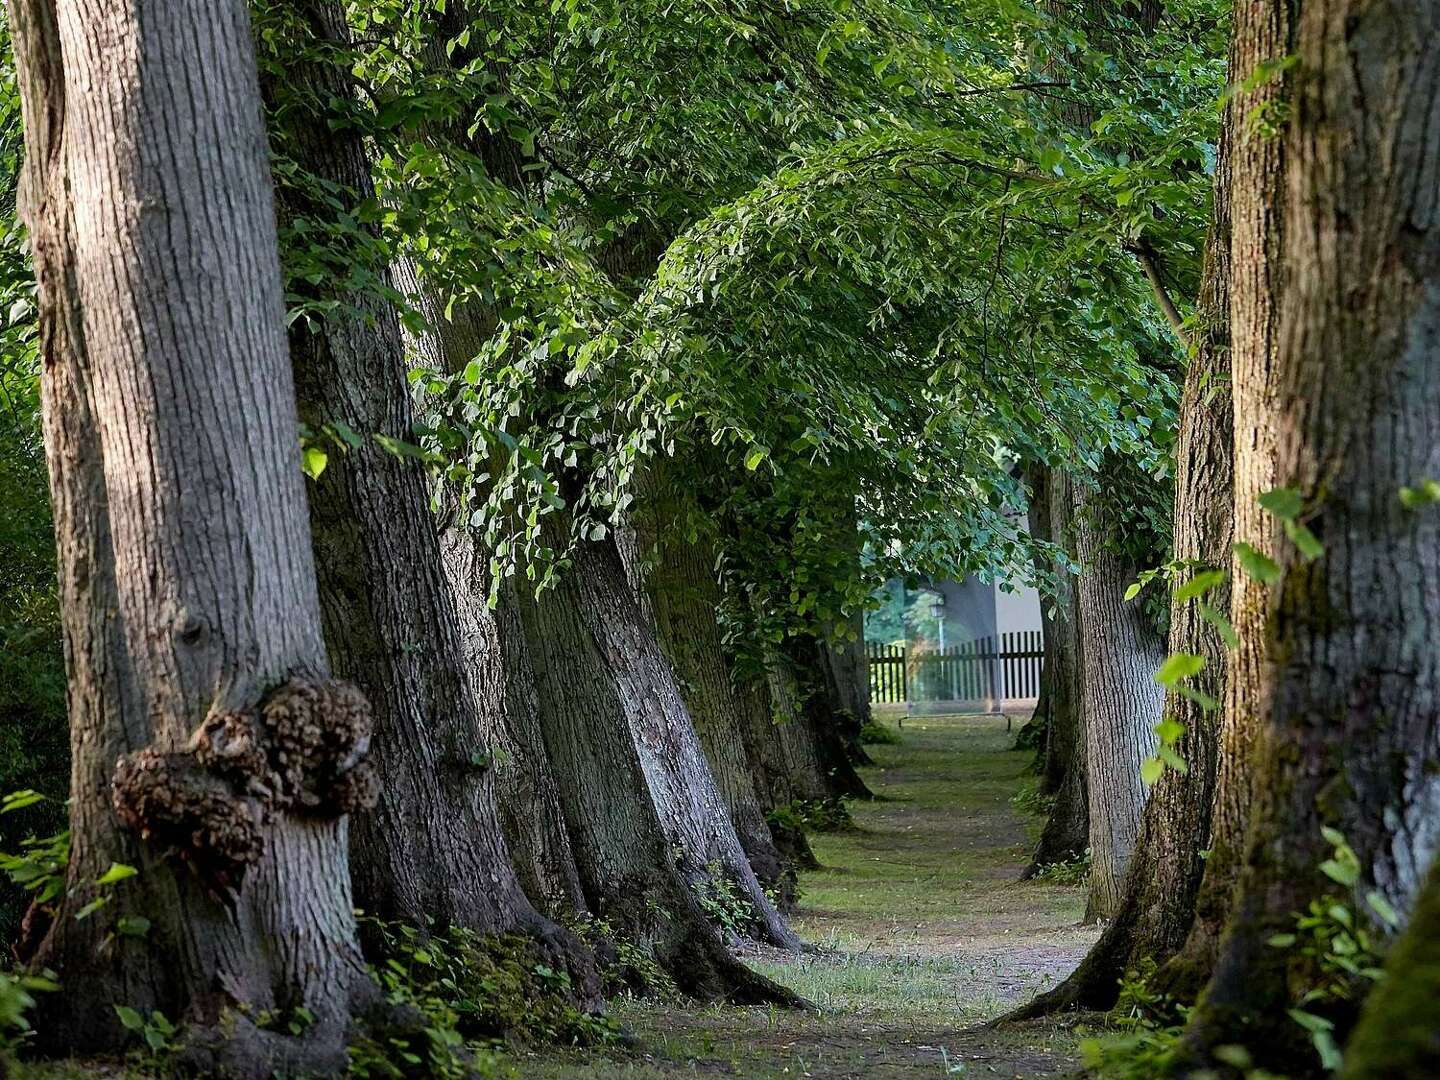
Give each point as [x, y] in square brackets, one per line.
[1172, 759]
[1151, 769]
[136, 926]
[313, 460]
[1423, 494]
[1258, 566]
[1169, 730]
[90, 908]
[1382, 908]
[1200, 584]
[1179, 666]
[1310, 546]
[1204, 700]
[1281, 941]
[1285, 503]
[1133, 591]
[18, 800]
[117, 872]
[1222, 624]
[753, 459]
[130, 1018]
[1341, 871]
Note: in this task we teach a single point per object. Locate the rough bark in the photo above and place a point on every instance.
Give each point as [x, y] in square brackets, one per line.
[433, 847]
[1037, 730]
[1120, 699]
[848, 675]
[1066, 834]
[647, 823]
[1158, 904]
[802, 682]
[496, 658]
[1397, 1036]
[1261, 33]
[188, 593]
[673, 575]
[774, 780]
[1347, 684]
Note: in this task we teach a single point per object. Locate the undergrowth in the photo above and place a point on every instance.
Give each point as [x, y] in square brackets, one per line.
[874, 733]
[816, 815]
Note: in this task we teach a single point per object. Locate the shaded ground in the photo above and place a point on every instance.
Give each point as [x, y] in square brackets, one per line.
[924, 933]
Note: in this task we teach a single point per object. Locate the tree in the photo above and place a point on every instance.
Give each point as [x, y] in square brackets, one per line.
[671, 563]
[212, 752]
[419, 855]
[1120, 650]
[1066, 834]
[1157, 906]
[1342, 678]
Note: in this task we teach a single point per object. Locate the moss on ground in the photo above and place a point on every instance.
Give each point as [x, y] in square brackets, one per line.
[924, 932]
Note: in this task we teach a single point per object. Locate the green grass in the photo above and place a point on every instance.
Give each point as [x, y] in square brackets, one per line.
[923, 931]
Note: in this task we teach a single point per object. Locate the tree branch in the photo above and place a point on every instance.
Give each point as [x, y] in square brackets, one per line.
[1148, 259]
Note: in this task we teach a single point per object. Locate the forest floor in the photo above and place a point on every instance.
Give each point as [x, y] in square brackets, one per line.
[924, 933]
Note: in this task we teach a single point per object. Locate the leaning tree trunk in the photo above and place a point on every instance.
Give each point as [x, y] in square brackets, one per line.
[674, 578]
[649, 828]
[433, 848]
[496, 658]
[1397, 1036]
[759, 719]
[211, 750]
[1261, 34]
[1120, 699]
[1066, 834]
[1348, 688]
[1158, 901]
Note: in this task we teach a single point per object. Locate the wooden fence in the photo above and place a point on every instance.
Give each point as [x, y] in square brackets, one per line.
[985, 670]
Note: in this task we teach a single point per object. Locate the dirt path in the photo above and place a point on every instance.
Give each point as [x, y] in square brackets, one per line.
[924, 932]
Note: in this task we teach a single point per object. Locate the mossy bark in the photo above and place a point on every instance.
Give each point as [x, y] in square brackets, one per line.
[1398, 1036]
[1346, 684]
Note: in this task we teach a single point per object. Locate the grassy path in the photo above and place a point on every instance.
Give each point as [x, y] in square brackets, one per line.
[924, 933]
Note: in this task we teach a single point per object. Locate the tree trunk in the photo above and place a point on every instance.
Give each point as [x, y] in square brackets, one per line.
[1158, 904]
[803, 683]
[674, 578]
[649, 828]
[495, 655]
[1121, 702]
[1037, 730]
[1066, 835]
[849, 675]
[1397, 1036]
[211, 751]
[759, 724]
[1346, 685]
[1261, 33]
[433, 848]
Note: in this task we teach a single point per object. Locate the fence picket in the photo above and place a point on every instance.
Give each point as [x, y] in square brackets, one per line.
[1006, 665]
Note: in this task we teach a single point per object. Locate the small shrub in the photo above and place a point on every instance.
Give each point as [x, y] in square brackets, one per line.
[874, 733]
[486, 988]
[816, 815]
[1074, 872]
[626, 967]
[1029, 800]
